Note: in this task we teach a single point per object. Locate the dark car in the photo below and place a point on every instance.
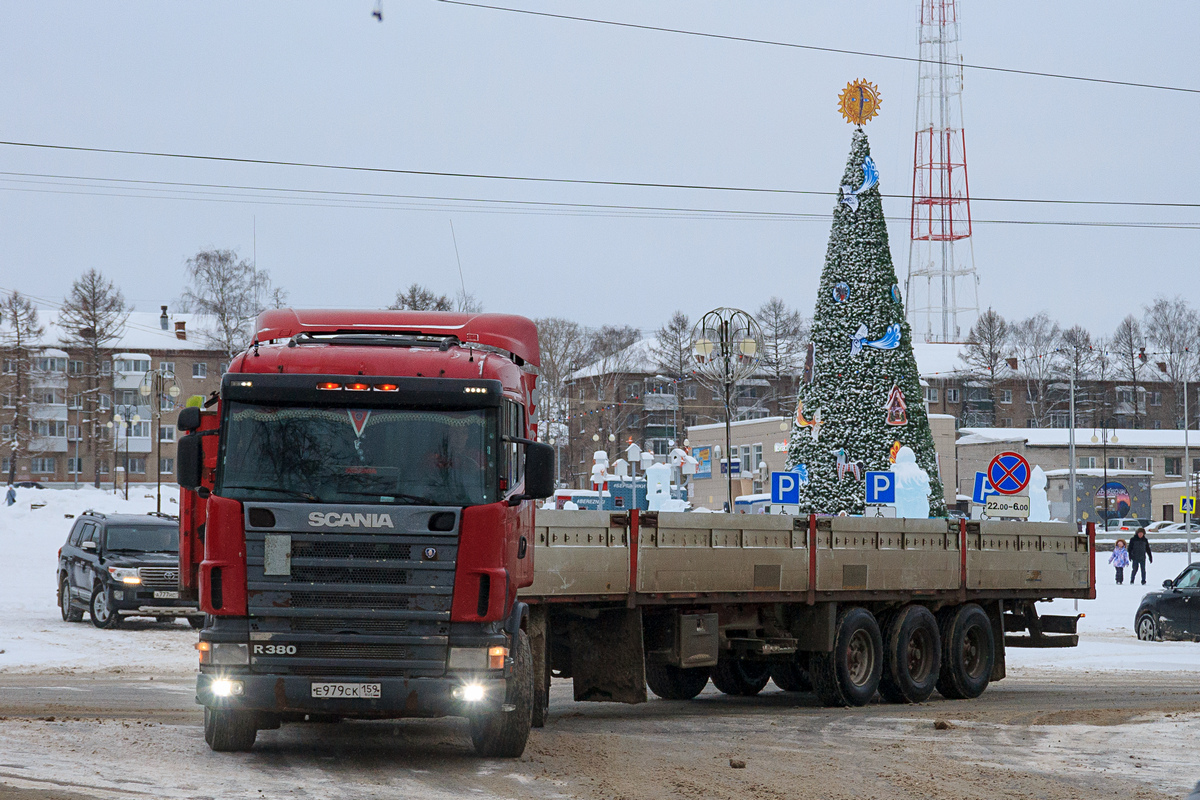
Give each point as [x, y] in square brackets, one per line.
[1173, 613]
[122, 565]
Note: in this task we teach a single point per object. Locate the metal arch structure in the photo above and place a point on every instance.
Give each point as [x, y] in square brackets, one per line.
[725, 345]
[942, 288]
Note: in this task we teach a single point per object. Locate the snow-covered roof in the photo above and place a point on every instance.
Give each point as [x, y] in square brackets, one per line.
[638, 357]
[939, 360]
[1095, 472]
[712, 426]
[1057, 437]
[143, 332]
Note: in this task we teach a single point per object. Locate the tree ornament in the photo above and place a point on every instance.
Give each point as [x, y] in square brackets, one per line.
[896, 407]
[870, 181]
[841, 291]
[889, 341]
[814, 423]
[895, 293]
[844, 465]
[892, 453]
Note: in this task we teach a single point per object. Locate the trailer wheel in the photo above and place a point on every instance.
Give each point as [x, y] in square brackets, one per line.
[968, 652]
[675, 683]
[792, 675]
[912, 656]
[228, 730]
[849, 676]
[740, 677]
[498, 733]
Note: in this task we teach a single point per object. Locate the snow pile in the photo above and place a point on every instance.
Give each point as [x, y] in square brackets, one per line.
[33, 636]
[1107, 640]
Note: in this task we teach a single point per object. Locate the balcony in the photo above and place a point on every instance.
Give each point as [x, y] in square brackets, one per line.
[48, 444]
[660, 402]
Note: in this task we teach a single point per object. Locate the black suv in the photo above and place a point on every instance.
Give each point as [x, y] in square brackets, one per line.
[116, 565]
[1173, 613]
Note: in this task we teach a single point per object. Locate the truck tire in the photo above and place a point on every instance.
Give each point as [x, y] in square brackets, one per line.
[228, 730]
[100, 611]
[502, 734]
[541, 691]
[849, 676]
[740, 677]
[792, 675]
[968, 652]
[69, 612]
[912, 656]
[674, 683]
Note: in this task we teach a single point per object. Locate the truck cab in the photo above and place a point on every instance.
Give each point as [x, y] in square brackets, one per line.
[357, 520]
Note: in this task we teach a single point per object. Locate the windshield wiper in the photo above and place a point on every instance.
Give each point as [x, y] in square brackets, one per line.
[290, 492]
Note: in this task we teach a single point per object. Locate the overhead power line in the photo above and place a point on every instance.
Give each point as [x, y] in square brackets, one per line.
[524, 178]
[816, 48]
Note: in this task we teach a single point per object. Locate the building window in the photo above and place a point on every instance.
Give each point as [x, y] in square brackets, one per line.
[1031, 423]
[952, 395]
[6, 400]
[1173, 466]
[103, 467]
[166, 402]
[74, 466]
[137, 465]
[1142, 462]
[140, 430]
[1116, 462]
[166, 368]
[102, 432]
[49, 397]
[106, 368]
[931, 394]
[1085, 462]
[200, 370]
[132, 364]
[42, 466]
[74, 367]
[9, 367]
[50, 364]
[75, 402]
[1031, 394]
[48, 427]
[690, 419]
[744, 459]
[633, 391]
[5, 465]
[689, 391]
[166, 433]
[73, 433]
[1060, 419]
[166, 466]
[1004, 422]
[128, 397]
[1155, 398]
[1006, 395]
[1156, 425]
[105, 401]
[757, 456]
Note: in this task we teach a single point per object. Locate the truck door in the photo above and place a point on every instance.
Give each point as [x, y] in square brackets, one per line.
[1179, 608]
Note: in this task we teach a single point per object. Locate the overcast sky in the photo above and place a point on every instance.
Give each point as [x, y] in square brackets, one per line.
[447, 88]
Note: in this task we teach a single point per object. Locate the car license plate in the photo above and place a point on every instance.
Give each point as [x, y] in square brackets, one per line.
[166, 595]
[359, 691]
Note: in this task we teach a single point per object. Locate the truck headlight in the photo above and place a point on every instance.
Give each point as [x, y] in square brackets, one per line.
[227, 688]
[228, 654]
[468, 658]
[126, 575]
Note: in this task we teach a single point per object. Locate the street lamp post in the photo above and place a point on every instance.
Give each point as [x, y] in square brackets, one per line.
[127, 414]
[1104, 440]
[159, 385]
[725, 346]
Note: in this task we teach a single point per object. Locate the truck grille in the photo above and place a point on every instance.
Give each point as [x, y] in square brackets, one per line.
[353, 603]
[160, 577]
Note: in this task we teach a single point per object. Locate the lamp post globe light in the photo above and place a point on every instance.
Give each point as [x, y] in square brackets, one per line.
[725, 344]
[127, 414]
[160, 385]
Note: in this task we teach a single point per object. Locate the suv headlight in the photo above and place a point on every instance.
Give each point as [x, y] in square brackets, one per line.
[125, 575]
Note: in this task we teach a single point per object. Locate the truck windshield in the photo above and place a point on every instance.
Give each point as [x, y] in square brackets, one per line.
[341, 455]
[143, 538]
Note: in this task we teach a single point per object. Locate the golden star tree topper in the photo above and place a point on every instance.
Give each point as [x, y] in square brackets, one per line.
[859, 101]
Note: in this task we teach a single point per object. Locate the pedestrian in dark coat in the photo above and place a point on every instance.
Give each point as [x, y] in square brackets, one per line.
[1139, 551]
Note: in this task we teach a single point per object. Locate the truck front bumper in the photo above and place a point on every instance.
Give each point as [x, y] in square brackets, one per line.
[399, 697]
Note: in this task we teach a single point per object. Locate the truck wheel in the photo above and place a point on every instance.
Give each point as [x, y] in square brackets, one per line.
[912, 656]
[102, 614]
[849, 676]
[69, 613]
[674, 683]
[1146, 629]
[196, 622]
[228, 730]
[968, 652]
[502, 734]
[541, 691]
[737, 676]
[792, 675]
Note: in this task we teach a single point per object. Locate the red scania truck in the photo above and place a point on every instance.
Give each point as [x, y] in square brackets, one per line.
[356, 519]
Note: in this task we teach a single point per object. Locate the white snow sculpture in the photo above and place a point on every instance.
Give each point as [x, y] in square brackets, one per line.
[1039, 501]
[570, 505]
[620, 468]
[658, 486]
[912, 486]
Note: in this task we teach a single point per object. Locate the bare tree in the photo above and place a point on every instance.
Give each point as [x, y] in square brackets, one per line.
[671, 349]
[1172, 328]
[467, 303]
[562, 344]
[784, 335]
[987, 348]
[21, 340]
[92, 318]
[1129, 356]
[610, 340]
[1076, 356]
[1034, 342]
[228, 291]
[419, 298]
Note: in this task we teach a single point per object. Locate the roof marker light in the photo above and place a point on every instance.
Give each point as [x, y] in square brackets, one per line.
[386, 387]
[358, 387]
[475, 389]
[329, 385]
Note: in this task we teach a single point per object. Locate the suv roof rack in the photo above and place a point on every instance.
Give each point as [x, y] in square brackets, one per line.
[161, 515]
[91, 513]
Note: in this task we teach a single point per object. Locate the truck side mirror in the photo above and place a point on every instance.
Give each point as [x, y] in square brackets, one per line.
[189, 419]
[190, 456]
[539, 470]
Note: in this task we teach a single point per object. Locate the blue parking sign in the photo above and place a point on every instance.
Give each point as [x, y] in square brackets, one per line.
[881, 488]
[785, 488]
[983, 489]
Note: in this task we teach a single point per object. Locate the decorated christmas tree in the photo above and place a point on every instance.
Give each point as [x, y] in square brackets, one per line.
[860, 400]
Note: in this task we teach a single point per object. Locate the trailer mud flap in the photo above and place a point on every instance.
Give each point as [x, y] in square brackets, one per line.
[607, 660]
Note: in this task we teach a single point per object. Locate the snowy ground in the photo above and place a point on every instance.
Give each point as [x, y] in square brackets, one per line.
[33, 636]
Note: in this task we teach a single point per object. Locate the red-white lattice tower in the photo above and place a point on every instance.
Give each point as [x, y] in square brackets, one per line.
[941, 293]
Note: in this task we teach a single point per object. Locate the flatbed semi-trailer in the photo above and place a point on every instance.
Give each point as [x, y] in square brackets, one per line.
[846, 606]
